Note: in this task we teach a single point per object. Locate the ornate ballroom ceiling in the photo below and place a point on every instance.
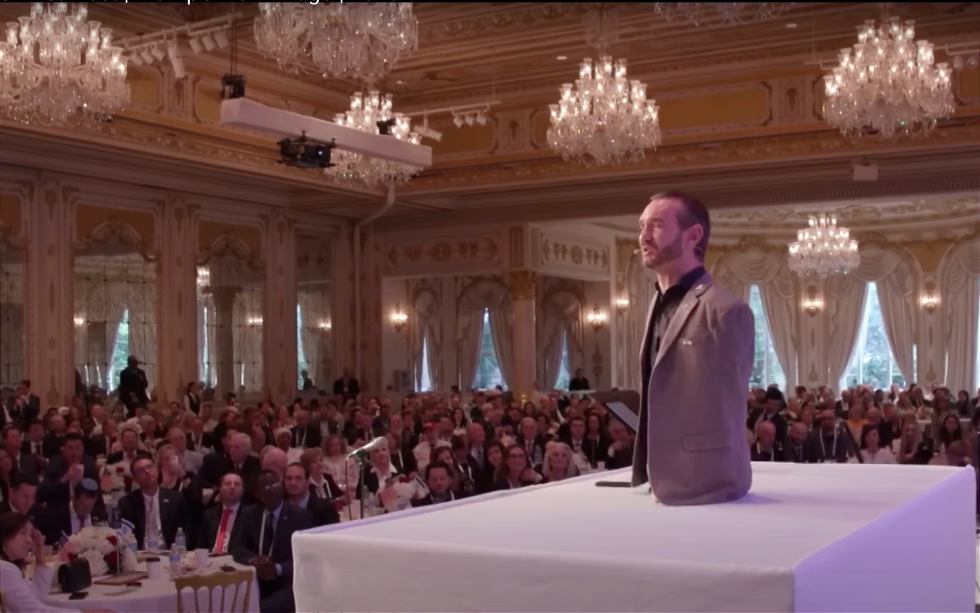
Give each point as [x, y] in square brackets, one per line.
[740, 112]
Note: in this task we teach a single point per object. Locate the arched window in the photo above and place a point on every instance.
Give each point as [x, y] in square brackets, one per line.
[766, 369]
[488, 373]
[564, 372]
[425, 380]
[120, 353]
[873, 363]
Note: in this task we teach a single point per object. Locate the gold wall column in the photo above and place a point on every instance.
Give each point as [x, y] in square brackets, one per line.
[279, 322]
[522, 285]
[176, 300]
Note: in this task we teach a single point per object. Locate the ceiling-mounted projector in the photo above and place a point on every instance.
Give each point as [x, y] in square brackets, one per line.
[305, 153]
[245, 113]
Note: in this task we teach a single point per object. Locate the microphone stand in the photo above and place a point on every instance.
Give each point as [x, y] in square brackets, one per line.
[361, 461]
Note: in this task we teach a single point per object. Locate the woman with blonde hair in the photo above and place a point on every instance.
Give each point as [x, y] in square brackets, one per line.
[172, 475]
[557, 464]
[344, 470]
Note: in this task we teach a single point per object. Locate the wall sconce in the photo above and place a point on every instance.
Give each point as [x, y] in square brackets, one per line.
[811, 306]
[597, 318]
[324, 324]
[399, 319]
[79, 321]
[622, 304]
[254, 321]
[929, 302]
[203, 276]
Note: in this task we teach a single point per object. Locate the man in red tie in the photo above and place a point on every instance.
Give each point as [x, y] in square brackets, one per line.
[220, 528]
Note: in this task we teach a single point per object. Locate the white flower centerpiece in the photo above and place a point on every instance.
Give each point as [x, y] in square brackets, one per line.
[99, 546]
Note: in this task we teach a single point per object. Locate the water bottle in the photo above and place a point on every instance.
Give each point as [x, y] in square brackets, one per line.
[181, 542]
[174, 562]
[370, 505]
[153, 543]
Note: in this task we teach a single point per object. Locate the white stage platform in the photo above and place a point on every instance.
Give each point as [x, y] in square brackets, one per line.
[807, 538]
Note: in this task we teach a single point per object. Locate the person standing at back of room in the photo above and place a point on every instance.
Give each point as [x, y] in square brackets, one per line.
[695, 362]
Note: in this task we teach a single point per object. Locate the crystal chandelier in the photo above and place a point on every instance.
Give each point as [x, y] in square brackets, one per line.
[888, 85]
[340, 38]
[603, 118]
[55, 65]
[823, 249]
[366, 111]
[728, 13]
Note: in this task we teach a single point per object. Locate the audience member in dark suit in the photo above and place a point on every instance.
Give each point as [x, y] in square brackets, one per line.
[71, 517]
[152, 508]
[531, 442]
[227, 513]
[401, 458]
[51, 444]
[828, 442]
[24, 406]
[298, 491]
[12, 443]
[774, 403]
[304, 434]
[347, 386]
[766, 447]
[70, 467]
[95, 445]
[494, 457]
[132, 386]
[21, 494]
[267, 543]
[619, 454]
[795, 448]
[579, 382]
[217, 464]
[466, 470]
[439, 480]
[33, 444]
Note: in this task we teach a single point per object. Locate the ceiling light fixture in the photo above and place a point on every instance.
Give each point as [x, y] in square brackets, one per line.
[366, 112]
[341, 39]
[196, 45]
[176, 60]
[603, 118]
[221, 39]
[823, 249]
[208, 41]
[55, 65]
[562, 58]
[888, 85]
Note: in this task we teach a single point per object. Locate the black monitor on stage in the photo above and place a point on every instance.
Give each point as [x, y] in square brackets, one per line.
[622, 405]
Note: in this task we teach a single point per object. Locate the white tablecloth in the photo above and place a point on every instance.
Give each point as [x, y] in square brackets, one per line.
[807, 538]
[155, 596]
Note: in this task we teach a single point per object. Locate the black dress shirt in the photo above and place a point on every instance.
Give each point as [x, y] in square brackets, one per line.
[666, 304]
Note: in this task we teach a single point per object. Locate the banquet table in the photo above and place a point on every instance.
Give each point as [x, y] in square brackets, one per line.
[154, 596]
[815, 537]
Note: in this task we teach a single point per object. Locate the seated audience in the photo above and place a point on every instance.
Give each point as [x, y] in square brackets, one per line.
[514, 472]
[439, 481]
[828, 442]
[220, 527]
[67, 519]
[766, 447]
[237, 459]
[298, 491]
[21, 495]
[65, 470]
[155, 512]
[797, 441]
[267, 544]
[871, 452]
[955, 456]
[557, 464]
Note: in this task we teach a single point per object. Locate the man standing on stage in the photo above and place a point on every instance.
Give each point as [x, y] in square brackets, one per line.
[695, 363]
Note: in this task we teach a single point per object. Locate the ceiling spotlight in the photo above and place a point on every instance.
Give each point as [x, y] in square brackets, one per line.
[481, 118]
[135, 59]
[176, 60]
[562, 58]
[147, 56]
[458, 120]
[469, 119]
[158, 53]
[208, 42]
[790, 25]
[221, 38]
[196, 45]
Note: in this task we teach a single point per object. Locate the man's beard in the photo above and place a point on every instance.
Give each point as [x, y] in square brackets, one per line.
[665, 253]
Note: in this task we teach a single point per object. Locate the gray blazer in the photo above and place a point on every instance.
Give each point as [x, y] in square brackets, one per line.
[691, 436]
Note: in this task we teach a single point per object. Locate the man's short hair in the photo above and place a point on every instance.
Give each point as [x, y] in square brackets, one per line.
[301, 466]
[221, 481]
[442, 465]
[72, 436]
[693, 212]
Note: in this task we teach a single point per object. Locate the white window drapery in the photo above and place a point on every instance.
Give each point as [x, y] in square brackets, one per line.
[961, 301]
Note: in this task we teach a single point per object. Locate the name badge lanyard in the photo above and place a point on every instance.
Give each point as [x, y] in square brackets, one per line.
[772, 453]
[265, 520]
[833, 451]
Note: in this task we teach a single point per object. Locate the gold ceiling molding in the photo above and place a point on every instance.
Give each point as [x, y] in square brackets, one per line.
[852, 215]
[761, 149]
[525, 18]
[230, 244]
[484, 249]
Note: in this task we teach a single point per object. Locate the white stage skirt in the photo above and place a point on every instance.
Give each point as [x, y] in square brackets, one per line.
[828, 537]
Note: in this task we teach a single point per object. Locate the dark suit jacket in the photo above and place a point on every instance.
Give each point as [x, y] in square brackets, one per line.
[211, 522]
[27, 413]
[348, 388]
[216, 465]
[27, 465]
[596, 451]
[57, 520]
[814, 452]
[537, 449]
[312, 440]
[404, 461]
[205, 442]
[794, 455]
[352, 433]
[578, 384]
[427, 500]
[697, 455]
[620, 459]
[95, 445]
[173, 515]
[291, 520]
[322, 512]
[51, 445]
[782, 427]
[776, 454]
[371, 481]
[52, 492]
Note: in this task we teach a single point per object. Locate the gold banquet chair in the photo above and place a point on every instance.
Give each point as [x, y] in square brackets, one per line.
[218, 580]
[3, 602]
